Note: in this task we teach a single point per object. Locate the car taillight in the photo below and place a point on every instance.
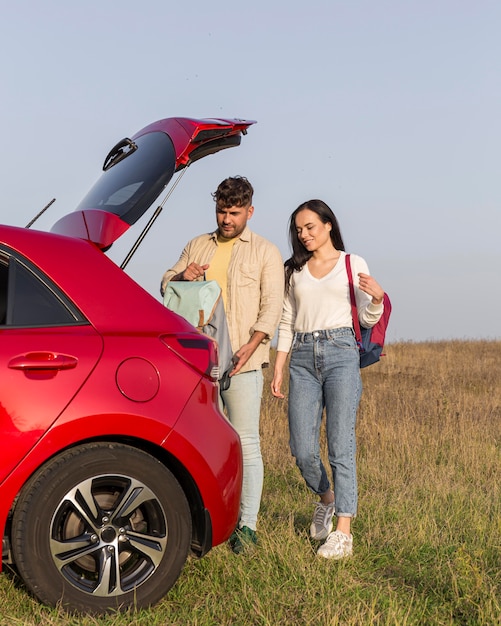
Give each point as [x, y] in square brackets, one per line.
[200, 351]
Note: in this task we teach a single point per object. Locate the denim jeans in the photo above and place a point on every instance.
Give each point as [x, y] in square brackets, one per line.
[243, 405]
[325, 373]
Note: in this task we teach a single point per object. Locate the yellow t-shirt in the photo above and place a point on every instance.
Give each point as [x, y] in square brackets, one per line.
[218, 269]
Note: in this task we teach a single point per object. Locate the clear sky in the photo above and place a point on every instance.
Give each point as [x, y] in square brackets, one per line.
[388, 110]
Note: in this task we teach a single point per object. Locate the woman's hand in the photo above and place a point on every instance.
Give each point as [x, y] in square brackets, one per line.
[369, 284]
[276, 385]
[278, 376]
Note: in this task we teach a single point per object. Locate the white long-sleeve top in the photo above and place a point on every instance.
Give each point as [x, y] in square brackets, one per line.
[324, 303]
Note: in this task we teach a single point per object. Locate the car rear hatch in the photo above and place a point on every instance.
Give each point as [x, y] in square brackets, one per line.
[136, 170]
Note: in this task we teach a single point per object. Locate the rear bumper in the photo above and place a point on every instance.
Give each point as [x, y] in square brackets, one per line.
[209, 448]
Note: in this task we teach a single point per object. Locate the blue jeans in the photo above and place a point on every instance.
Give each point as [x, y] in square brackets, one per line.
[325, 373]
[243, 405]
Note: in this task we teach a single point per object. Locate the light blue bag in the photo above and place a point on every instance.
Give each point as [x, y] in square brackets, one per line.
[201, 304]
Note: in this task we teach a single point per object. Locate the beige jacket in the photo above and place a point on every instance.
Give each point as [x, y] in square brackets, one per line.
[255, 288]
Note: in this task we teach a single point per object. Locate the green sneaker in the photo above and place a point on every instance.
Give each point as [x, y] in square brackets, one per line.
[242, 539]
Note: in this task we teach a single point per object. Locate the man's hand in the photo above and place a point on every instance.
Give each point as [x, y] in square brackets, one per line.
[241, 357]
[192, 272]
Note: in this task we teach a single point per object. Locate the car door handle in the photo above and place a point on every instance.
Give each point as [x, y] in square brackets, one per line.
[43, 361]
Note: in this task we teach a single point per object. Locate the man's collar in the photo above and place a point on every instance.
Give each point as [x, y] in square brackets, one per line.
[245, 235]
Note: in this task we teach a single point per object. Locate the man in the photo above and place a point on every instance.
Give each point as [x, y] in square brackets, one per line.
[249, 270]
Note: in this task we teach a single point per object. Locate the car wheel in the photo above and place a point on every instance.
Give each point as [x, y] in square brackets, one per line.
[101, 527]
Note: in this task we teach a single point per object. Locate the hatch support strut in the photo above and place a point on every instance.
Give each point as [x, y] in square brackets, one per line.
[151, 221]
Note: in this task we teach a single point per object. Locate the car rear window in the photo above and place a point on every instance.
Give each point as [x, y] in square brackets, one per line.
[130, 187]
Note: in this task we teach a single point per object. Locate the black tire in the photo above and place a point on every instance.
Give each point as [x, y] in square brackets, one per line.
[101, 527]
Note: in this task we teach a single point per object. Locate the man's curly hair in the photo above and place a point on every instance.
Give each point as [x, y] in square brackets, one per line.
[233, 191]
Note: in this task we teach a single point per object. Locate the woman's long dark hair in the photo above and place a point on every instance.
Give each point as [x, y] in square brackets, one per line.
[300, 254]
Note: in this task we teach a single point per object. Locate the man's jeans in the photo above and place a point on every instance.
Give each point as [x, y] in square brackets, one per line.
[325, 372]
[243, 404]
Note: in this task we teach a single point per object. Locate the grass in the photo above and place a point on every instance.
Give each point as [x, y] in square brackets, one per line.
[427, 540]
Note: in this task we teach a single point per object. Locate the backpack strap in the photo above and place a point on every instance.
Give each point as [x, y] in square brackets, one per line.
[354, 311]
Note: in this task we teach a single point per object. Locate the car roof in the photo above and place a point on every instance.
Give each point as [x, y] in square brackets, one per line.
[137, 169]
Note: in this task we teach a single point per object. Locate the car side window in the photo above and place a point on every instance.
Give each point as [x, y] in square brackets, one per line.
[4, 283]
[27, 300]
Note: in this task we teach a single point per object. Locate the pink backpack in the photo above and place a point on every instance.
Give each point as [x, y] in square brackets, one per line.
[370, 340]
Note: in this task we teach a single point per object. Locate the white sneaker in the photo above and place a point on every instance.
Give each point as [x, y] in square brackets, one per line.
[321, 524]
[337, 546]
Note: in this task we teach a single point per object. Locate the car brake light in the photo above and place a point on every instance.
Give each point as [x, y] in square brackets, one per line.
[200, 351]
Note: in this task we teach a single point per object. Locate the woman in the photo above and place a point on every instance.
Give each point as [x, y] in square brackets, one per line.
[324, 368]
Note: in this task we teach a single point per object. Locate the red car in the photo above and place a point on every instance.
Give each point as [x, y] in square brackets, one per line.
[115, 459]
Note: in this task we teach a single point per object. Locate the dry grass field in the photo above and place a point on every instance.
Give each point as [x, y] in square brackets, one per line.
[427, 540]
